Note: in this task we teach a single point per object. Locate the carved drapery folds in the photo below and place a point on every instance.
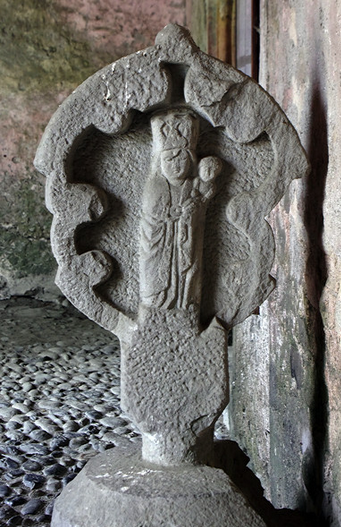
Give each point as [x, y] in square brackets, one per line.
[173, 213]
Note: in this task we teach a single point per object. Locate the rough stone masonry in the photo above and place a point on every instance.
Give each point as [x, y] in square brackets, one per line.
[161, 169]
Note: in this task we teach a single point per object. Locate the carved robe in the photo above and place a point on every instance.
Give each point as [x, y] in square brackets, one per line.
[172, 226]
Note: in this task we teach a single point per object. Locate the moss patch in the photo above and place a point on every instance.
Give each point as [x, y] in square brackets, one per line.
[37, 49]
[24, 237]
[26, 256]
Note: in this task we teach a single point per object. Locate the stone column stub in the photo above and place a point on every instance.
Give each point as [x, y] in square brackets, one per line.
[161, 169]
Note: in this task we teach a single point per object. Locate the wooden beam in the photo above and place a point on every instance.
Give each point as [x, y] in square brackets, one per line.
[212, 24]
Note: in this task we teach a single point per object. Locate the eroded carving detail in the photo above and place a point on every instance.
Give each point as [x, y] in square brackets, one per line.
[195, 155]
[173, 212]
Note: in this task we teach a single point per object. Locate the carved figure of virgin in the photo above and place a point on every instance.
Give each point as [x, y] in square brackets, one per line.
[173, 212]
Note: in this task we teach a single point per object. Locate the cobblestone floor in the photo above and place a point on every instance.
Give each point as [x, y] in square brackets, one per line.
[59, 404]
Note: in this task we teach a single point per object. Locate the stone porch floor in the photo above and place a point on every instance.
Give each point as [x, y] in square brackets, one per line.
[60, 405]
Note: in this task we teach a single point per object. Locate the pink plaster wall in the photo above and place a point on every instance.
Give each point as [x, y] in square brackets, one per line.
[122, 26]
[47, 48]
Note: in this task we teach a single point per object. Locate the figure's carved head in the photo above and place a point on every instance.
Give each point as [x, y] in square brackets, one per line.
[209, 168]
[175, 135]
[176, 165]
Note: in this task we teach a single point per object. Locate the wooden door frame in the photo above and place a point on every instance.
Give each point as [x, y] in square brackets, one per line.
[228, 30]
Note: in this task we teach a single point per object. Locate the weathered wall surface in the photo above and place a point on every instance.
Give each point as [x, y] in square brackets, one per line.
[330, 304]
[292, 350]
[47, 48]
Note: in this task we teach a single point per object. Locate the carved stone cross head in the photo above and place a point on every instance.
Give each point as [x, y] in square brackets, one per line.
[161, 169]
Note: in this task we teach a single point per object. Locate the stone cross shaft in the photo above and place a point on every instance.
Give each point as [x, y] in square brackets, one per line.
[169, 363]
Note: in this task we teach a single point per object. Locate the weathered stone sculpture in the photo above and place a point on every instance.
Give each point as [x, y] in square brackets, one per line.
[161, 169]
[168, 338]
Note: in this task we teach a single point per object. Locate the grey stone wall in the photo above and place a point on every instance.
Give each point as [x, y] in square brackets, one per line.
[289, 422]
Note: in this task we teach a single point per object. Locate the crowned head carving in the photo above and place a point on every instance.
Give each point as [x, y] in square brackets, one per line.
[175, 135]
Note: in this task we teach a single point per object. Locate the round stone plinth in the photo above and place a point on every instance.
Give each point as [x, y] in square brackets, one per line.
[118, 489]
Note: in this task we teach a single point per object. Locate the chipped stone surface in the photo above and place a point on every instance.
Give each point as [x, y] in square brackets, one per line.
[161, 169]
[105, 159]
[131, 492]
[167, 387]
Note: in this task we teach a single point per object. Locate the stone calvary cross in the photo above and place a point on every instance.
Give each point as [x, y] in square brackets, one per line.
[161, 169]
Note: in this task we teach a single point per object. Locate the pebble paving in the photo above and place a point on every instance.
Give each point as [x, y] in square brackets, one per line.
[59, 404]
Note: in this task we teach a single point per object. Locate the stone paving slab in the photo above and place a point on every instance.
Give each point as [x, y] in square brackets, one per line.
[59, 404]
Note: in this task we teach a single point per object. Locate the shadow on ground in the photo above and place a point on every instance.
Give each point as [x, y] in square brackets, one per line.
[230, 458]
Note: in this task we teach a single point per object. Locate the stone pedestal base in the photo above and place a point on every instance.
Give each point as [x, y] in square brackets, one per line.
[118, 489]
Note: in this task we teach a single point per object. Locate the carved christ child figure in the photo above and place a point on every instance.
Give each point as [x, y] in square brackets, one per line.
[174, 204]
